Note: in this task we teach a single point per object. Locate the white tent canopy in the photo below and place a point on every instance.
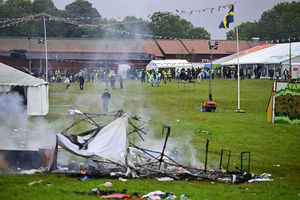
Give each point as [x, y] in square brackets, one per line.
[275, 54]
[169, 64]
[36, 90]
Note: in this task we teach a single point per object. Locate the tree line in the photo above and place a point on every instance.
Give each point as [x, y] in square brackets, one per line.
[163, 24]
[280, 22]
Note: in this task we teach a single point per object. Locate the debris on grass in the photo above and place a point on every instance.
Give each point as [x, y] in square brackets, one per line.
[122, 179]
[165, 179]
[106, 184]
[34, 182]
[261, 178]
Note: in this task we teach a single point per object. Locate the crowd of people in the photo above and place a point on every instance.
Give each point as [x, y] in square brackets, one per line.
[157, 76]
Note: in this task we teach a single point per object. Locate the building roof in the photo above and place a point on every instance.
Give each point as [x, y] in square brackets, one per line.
[151, 47]
[224, 47]
[158, 48]
[172, 47]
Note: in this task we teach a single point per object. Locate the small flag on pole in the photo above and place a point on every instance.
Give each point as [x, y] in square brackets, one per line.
[227, 19]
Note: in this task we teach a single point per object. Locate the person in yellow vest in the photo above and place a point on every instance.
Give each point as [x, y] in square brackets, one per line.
[165, 76]
[169, 74]
[151, 79]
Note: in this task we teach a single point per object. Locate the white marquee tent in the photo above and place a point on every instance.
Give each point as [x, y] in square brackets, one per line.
[36, 90]
[275, 54]
[275, 57]
[169, 64]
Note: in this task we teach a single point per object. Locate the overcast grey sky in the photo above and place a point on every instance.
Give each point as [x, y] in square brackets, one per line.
[245, 10]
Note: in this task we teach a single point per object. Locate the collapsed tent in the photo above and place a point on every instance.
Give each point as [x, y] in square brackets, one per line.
[169, 64]
[109, 145]
[34, 90]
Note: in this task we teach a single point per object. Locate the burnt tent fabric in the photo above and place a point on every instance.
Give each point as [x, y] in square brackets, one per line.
[110, 143]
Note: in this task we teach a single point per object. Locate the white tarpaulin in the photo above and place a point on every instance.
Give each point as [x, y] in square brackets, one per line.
[36, 90]
[111, 143]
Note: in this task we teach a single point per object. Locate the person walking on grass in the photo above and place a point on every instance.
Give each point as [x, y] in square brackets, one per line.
[105, 100]
[121, 81]
[81, 82]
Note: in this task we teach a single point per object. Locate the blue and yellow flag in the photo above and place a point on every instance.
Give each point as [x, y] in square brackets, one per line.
[227, 19]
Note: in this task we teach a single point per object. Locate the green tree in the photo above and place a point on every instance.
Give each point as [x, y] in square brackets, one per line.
[130, 24]
[282, 21]
[81, 8]
[169, 25]
[44, 6]
[199, 33]
[247, 31]
[15, 8]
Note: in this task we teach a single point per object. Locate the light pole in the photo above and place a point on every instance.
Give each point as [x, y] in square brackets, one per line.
[290, 57]
[40, 41]
[46, 48]
[212, 45]
[29, 39]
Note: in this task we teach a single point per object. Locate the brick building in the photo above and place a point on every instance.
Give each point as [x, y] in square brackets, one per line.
[74, 54]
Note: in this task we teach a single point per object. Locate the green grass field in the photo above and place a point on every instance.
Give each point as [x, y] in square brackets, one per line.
[270, 144]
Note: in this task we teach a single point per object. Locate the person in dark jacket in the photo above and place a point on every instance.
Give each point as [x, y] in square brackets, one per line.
[81, 82]
[121, 81]
[105, 100]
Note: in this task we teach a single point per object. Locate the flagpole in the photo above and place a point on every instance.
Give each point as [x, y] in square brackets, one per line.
[238, 66]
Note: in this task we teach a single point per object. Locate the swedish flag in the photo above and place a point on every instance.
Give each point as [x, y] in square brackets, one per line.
[227, 19]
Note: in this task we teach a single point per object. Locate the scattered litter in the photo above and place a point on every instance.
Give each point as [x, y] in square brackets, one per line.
[153, 195]
[34, 182]
[97, 191]
[203, 131]
[48, 185]
[106, 184]
[84, 178]
[116, 196]
[171, 196]
[122, 179]
[212, 183]
[262, 177]
[276, 165]
[298, 194]
[177, 120]
[30, 171]
[75, 112]
[165, 179]
[183, 197]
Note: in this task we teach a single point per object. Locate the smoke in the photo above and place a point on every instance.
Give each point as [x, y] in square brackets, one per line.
[12, 103]
[18, 130]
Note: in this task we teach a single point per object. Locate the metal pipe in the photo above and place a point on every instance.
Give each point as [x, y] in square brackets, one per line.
[206, 155]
